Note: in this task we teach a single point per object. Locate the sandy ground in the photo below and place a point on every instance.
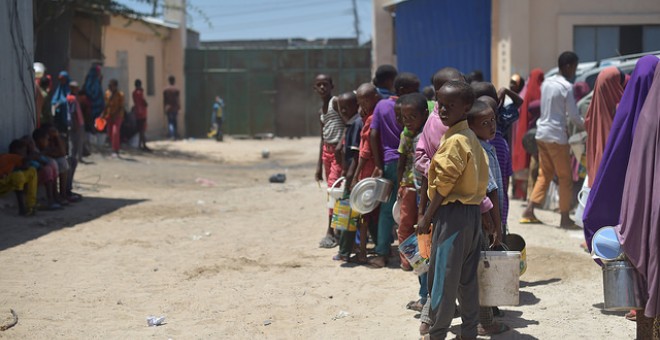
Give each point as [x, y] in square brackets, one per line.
[236, 257]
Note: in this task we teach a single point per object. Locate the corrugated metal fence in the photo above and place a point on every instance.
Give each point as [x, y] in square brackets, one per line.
[267, 90]
[432, 34]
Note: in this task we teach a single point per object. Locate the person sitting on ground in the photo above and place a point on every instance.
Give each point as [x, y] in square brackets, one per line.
[332, 131]
[348, 109]
[368, 98]
[46, 170]
[458, 177]
[17, 176]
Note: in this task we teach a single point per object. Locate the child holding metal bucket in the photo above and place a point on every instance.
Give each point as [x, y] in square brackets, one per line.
[367, 97]
[457, 181]
[348, 110]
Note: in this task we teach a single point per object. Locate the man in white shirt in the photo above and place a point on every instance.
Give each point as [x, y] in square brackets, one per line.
[557, 106]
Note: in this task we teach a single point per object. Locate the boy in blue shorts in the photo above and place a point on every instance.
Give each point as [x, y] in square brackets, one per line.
[457, 181]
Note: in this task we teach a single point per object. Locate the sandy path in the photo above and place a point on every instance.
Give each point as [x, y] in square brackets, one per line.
[219, 261]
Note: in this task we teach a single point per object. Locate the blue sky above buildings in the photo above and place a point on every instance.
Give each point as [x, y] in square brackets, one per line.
[275, 19]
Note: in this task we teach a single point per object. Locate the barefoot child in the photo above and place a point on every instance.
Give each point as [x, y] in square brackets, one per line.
[367, 97]
[332, 132]
[458, 177]
[348, 109]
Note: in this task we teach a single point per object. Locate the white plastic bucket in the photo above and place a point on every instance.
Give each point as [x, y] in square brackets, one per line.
[499, 278]
[335, 192]
[582, 197]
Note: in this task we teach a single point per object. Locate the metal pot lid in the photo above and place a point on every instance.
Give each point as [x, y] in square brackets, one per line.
[363, 197]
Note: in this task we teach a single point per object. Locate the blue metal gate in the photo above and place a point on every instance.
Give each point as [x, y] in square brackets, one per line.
[431, 34]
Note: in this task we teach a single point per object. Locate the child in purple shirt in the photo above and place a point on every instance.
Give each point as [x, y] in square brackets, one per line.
[385, 139]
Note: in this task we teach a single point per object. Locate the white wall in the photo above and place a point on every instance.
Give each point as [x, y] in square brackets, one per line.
[17, 117]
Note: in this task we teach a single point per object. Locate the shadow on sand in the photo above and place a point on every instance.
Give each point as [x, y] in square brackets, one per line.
[16, 230]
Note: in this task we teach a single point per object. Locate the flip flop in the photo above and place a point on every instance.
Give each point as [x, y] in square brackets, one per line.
[415, 305]
[340, 258]
[530, 220]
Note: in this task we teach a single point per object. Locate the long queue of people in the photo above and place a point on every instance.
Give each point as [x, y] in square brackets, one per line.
[452, 152]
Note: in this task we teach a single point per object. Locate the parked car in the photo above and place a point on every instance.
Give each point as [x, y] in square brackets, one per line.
[625, 63]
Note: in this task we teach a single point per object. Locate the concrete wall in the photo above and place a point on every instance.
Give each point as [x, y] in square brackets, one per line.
[532, 33]
[126, 47]
[17, 117]
[383, 36]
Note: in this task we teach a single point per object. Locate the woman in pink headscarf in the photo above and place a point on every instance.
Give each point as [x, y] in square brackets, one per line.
[598, 122]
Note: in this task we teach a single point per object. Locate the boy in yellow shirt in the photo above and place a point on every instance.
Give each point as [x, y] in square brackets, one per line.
[458, 177]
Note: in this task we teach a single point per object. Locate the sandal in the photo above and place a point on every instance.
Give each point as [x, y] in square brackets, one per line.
[378, 261]
[340, 258]
[494, 329]
[530, 220]
[358, 259]
[631, 316]
[328, 242]
[415, 305]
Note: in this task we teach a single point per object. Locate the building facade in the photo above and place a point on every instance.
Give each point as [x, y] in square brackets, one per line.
[524, 34]
[17, 117]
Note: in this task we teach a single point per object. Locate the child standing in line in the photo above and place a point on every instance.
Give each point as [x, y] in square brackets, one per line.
[458, 177]
[348, 109]
[414, 115]
[332, 132]
[367, 97]
[385, 139]
[414, 111]
[17, 177]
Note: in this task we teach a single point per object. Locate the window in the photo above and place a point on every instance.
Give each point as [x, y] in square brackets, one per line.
[150, 76]
[593, 43]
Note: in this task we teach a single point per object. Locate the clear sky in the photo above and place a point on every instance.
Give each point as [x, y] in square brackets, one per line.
[268, 19]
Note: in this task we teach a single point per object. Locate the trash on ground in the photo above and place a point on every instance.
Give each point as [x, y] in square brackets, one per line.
[205, 182]
[265, 153]
[153, 321]
[278, 178]
[267, 322]
[342, 314]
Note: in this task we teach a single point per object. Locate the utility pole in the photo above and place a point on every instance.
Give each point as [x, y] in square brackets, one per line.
[154, 8]
[356, 21]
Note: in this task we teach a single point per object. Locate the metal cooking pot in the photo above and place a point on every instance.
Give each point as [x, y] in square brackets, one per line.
[383, 189]
[619, 286]
[362, 197]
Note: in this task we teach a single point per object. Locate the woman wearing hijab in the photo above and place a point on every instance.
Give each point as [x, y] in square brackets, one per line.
[520, 158]
[598, 121]
[58, 103]
[640, 210]
[94, 92]
[604, 204]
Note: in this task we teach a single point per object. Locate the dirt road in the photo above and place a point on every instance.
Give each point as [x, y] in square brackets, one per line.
[195, 233]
